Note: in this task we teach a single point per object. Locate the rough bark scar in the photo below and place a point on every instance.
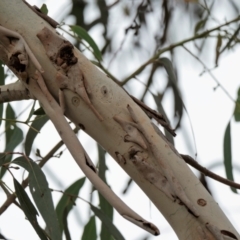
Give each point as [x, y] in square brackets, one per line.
[18, 52]
[69, 74]
[161, 176]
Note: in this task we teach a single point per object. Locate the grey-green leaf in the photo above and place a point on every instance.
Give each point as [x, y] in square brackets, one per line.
[67, 202]
[90, 230]
[227, 153]
[42, 195]
[83, 34]
[29, 209]
[37, 124]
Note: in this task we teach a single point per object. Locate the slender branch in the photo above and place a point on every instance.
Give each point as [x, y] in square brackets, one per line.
[172, 46]
[14, 92]
[189, 160]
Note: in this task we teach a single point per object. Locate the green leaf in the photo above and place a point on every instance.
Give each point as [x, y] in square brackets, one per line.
[104, 205]
[2, 158]
[227, 153]
[44, 9]
[29, 209]
[42, 195]
[2, 82]
[200, 25]
[90, 230]
[37, 124]
[66, 203]
[39, 111]
[217, 50]
[237, 108]
[13, 136]
[107, 222]
[162, 111]
[31, 112]
[83, 34]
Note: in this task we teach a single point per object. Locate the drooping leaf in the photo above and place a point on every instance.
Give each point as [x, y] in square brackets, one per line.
[29, 209]
[162, 111]
[172, 82]
[42, 195]
[227, 153]
[66, 203]
[13, 136]
[90, 230]
[237, 108]
[107, 222]
[44, 9]
[200, 25]
[104, 205]
[2, 82]
[83, 34]
[37, 124]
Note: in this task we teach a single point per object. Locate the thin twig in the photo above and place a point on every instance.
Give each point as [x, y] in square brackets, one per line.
[172, 46]
[189, 160]
[11, 198]
[210, 73]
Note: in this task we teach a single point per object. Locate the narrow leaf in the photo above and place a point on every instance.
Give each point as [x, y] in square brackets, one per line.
[37, 124]
[83, 34]
[217, 50]
[237, 108]
[67, 202]
[227, 153]
[13, 136]
[42, 195]
[2, 82]
[162, 111]
[104, 205]
[200, 25]
[90, 230]
[107, 222]
[29, 209]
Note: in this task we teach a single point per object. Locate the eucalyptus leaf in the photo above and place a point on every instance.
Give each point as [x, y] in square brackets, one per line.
[83, 34]
[67, 202]
[107, 222]
[42, 195]
[13, 136]
[104, 204]
[37, 124]
[29, 209]
[237, 108]
[39, 111]
[227, 153]
[90, 230]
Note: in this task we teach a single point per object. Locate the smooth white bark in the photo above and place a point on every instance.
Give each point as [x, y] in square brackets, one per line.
[127, 135]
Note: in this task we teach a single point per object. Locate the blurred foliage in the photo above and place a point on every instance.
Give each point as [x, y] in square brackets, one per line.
[140, 38]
